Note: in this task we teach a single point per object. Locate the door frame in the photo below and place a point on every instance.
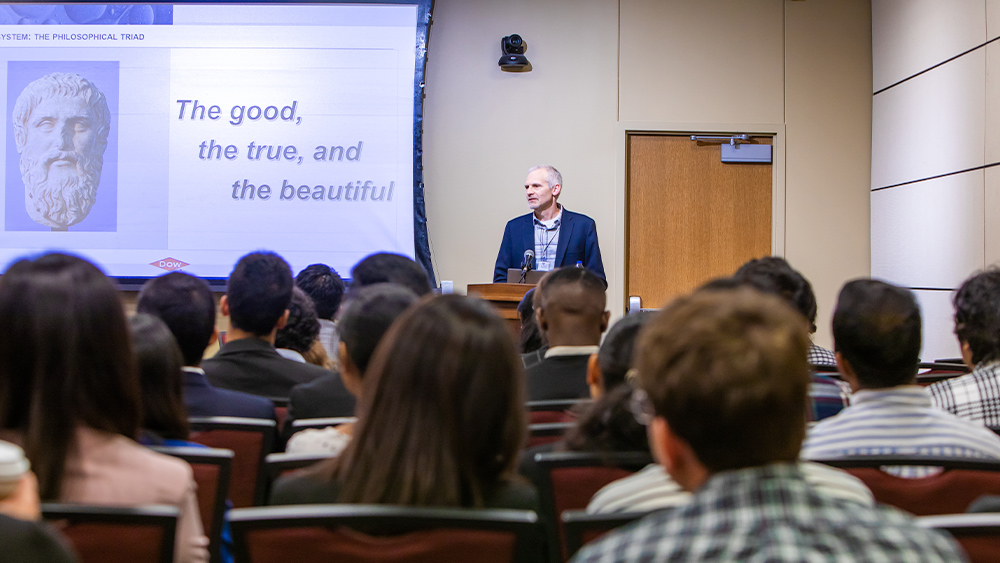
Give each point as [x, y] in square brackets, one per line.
[619, 302]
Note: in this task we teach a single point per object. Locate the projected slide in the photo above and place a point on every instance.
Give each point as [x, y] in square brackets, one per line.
[207, 133]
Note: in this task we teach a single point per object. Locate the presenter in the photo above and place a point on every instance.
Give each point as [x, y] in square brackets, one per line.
[557, 236]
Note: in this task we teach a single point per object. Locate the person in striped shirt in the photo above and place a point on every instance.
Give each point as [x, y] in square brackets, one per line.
[876, 331]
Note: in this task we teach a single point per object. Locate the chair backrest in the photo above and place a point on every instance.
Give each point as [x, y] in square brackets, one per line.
[546, 433]
[141, 534]
[276, 465]
[978, 534]
[567, 481]
[390, 534]
[212, 468]
[932, 372]
[251, 440]
[582, 528]
[950, 491]
[280, 411]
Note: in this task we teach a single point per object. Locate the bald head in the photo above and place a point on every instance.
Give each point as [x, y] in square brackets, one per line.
[570, 307]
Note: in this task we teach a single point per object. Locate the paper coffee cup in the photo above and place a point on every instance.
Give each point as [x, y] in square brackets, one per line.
[13, 465]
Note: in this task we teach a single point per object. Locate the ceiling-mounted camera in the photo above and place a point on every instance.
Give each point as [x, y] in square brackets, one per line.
[513, 59]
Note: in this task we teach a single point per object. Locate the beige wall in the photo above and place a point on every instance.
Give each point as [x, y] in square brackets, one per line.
[804, 66]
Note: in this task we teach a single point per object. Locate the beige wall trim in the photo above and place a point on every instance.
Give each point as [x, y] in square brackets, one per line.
[619, 300]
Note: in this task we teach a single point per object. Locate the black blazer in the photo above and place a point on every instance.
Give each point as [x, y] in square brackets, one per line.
[323, 397]
[251, 365]
[202, 399]
[558, 377]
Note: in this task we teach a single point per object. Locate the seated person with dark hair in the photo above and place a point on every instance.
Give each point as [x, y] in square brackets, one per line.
[384, 267]
[976, 396]
[569, 308]
[368, 314]
[325, 287]
[186, 305]
[725, 375]
[298, 340]
[531, 342]
[876, 329]
[774, 275]
[326, 396]
[256, 302]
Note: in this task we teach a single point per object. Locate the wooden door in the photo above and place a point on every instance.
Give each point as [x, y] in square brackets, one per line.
[690, 217]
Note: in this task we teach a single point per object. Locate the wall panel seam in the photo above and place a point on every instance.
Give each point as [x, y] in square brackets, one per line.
[935, 177]
[942, 63]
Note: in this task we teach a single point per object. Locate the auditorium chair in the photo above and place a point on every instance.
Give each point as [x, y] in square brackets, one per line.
[280, 411]
[278, 464]
[567, 481]
[564, 410]
[99, 534]
[385, 534]
[212, 469]
[251, 440]
[951, 491]
[932, 372]
[978, 534]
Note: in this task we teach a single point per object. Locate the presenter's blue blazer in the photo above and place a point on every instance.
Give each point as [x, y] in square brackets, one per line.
[577, 243]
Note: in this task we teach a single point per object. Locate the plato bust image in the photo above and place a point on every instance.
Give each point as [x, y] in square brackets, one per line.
[61, 126]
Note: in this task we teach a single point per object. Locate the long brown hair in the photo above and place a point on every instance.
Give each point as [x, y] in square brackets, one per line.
[159, 362]
[441, 418]
[65, 360]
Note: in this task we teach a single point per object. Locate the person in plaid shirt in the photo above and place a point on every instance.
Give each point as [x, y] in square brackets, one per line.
[725, 378]
[976, 396]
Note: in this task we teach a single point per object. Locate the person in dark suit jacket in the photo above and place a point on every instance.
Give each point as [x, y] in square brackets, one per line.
[256, 302]
[186, 305]
[574, 234]
[569, 308]
[368, 313]
[327, 396]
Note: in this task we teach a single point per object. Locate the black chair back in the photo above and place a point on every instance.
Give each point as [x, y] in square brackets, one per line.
[140, 534]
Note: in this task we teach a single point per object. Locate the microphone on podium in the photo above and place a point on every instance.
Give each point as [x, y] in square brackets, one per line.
[529, 255]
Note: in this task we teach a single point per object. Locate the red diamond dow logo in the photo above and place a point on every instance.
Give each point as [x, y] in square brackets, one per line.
[169, 264]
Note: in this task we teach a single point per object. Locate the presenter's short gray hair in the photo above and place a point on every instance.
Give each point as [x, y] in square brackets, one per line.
[552, 176]
[66, 85]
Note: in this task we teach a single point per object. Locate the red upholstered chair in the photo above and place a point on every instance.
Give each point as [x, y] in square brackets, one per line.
[143, 534]
[546, 433]
[978, 534]
[567, 481]
[932, 372]
[384, 534]
[543, 412]
[948, 492]
[212, 470]
[582, 528]
[280, 411]
[250, 440]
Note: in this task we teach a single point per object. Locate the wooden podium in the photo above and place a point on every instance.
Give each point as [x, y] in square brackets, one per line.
[505, 297]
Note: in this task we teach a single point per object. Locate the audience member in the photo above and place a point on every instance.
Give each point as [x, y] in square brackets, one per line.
[976, 396]
[608, 424]
[652, 488]
[326, 396]
[725, 378]
[186, 305]
[70, 394]
[441, 418]
[569, 308]
[161, 382]
[384, 267]
[775, 276]
[876, 331]
[298, 340]
[531, 341]
[256, 302]
[324, 286]
[368, 313]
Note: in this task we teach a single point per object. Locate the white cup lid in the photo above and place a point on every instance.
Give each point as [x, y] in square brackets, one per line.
[13, 464]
